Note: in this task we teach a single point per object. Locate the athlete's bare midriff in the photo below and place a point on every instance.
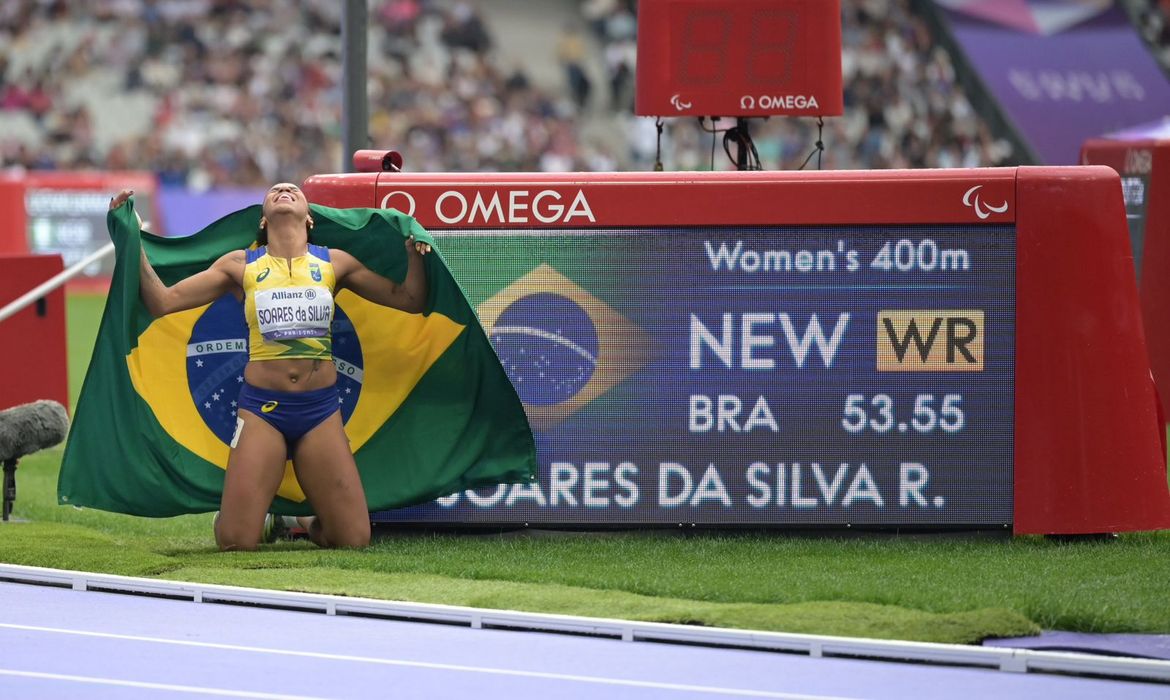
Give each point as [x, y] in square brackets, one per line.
[291, 375]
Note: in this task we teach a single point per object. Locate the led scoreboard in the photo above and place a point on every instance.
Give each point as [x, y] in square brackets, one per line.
[885, 349]
[749, 58]
[64, 213]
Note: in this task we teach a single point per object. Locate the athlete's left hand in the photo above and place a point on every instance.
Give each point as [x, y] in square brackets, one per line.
[120, 199]
[418, 246]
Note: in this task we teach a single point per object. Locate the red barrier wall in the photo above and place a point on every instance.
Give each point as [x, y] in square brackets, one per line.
[13, 224]
[1148, 158]
[38, 368]
[1088, 446]
[1088, 441]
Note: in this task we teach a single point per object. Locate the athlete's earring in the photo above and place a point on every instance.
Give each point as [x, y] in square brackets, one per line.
[310, 223]
[263, 223]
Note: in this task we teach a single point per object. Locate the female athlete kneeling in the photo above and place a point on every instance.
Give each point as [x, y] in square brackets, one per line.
[288, 404]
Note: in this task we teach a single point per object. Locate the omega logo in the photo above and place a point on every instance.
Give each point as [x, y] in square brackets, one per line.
[409, 211]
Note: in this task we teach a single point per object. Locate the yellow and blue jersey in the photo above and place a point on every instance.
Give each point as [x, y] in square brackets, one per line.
[289, 308]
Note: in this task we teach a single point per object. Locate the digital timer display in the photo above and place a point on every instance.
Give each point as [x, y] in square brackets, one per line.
[744, 58]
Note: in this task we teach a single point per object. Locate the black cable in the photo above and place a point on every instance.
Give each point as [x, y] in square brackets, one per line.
[820, 140]
[713, 131]
[658, 150]
[820, 145]
[746, 158]
[713, 139]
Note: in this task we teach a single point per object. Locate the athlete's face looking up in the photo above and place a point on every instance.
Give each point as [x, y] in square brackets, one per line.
[286, 198]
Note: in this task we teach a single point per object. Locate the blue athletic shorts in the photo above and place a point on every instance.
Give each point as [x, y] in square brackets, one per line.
[293, 413]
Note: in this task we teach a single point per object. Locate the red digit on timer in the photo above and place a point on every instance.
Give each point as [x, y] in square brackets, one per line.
[770, 48]
[704, 60]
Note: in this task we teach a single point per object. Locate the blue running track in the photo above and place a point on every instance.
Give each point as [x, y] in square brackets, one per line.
[57, 642]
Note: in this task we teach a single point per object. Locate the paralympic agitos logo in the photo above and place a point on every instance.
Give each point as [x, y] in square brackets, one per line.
[982, 209]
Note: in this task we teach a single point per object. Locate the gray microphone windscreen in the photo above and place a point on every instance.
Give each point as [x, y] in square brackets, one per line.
[31, 427]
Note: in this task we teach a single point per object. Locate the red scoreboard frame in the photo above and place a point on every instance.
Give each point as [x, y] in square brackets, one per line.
[1089, 453]
[1144, 167]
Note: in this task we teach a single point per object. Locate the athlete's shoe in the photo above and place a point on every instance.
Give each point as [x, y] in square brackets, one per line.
[273, 528]
[282, 527]
[293, 528]
[276, 527]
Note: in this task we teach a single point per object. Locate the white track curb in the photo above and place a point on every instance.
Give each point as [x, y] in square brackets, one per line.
[1003, 659]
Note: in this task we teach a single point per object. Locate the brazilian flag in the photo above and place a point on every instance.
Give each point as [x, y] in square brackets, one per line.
[427, 407]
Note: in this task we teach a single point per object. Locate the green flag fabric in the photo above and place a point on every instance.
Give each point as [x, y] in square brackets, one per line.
[428, 409]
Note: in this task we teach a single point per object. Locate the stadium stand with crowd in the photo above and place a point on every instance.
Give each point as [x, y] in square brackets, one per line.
[226, 93]
[1152, 19]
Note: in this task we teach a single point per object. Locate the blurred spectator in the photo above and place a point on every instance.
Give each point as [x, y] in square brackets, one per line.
[615, 27]
[464, 29]
[1152, 19]
[571, 54]
[214, 93]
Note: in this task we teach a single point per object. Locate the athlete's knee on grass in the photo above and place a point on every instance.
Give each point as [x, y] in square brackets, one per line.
[236, 539]
[348, 535]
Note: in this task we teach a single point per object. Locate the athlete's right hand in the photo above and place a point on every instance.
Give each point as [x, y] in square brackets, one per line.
[119, 200]
[417, 246]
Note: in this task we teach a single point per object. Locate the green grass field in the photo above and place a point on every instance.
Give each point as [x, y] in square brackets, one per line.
[942, 588]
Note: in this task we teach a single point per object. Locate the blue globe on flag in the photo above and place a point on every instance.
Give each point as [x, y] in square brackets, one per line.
[548, 345]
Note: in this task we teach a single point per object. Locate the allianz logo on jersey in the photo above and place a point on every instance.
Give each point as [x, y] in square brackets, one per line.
[283, 295]
[499, 207]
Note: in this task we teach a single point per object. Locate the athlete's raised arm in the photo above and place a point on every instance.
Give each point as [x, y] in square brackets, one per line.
[410, 296]
[201, 288]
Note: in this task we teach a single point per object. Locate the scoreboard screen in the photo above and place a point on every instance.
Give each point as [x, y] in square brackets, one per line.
[71, 223]
[65, 213]
[1134, 189]
[751, 375]
[889, 349]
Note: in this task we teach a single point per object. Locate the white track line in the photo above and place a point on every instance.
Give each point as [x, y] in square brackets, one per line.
[156, 686]
[600, 680]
